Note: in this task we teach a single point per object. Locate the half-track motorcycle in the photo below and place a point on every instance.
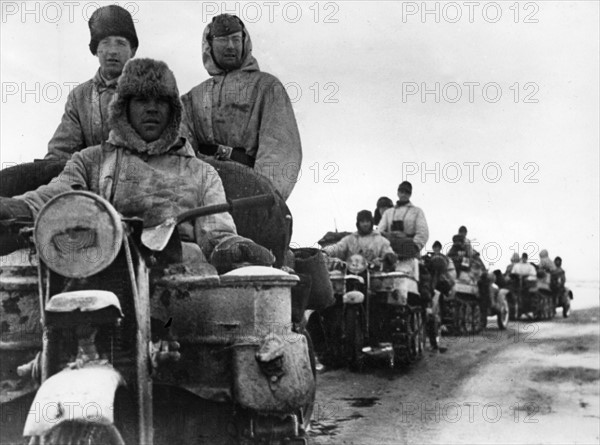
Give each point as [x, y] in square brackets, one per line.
[531, 296]
[472, 298]
[134, 351]
[377, 314]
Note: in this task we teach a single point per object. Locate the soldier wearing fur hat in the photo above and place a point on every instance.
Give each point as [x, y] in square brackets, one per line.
[147, 170]
[85, 121]
[366, 241]
[241, 113]
[405, 224]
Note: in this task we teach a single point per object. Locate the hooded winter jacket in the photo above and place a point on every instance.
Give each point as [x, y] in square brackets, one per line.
[545, 262]
[415, 224]
[370, 246]
[155, 180]
[85, 121]
[246, 109]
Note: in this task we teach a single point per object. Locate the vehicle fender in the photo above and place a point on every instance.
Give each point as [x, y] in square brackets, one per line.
[353, 297]
[502, 296]
[74, 394]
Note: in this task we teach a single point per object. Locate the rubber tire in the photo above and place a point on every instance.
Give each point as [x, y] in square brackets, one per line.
[434, 331]
[406, 353]
[83, 433]
[354, 338]
[566, 307]
[466, 325]
[420, 323]
[503, 316]
[477, 318]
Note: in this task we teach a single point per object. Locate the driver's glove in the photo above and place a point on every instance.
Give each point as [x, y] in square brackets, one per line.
[237, 250]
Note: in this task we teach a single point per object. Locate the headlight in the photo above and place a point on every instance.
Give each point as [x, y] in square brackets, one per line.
[357, 264]
[78, 234]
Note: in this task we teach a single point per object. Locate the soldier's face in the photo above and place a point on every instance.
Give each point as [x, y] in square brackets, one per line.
[113, 52]
[364, 226]
[228, 50]
[149, 116]
[403, 195]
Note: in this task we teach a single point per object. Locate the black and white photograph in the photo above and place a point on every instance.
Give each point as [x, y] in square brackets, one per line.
[293, 223]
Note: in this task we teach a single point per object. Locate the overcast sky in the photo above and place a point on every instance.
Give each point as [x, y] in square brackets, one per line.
[491, 110]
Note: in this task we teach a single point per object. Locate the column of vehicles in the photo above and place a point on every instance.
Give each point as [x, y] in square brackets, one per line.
[387, 312]
[103, 343]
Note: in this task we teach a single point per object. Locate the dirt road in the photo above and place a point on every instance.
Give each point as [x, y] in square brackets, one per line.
[537, 382]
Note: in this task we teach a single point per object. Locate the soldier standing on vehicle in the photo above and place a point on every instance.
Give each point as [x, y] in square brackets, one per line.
[366, 241]
[514, 259]
[85, 121]
[241, 113]
[405, 224]
[546, 264]
[146, 170]
[462, 231]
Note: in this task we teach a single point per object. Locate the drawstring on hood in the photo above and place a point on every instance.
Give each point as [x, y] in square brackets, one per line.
[144, 78]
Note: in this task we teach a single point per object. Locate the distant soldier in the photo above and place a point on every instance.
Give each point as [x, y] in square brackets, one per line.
[405, 224]
[382, 205]
[523, 268]
[366, 241]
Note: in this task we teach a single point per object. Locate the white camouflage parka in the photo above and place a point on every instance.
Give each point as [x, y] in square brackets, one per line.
[249, 109]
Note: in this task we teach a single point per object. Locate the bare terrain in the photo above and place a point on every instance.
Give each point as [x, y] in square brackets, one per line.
[537, 382]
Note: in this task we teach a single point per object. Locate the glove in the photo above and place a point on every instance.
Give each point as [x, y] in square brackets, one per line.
[405, 248]
[237, 249]
[389, 261]
[12, 209]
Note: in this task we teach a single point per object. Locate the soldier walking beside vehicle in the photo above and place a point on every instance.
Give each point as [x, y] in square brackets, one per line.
[241, 113]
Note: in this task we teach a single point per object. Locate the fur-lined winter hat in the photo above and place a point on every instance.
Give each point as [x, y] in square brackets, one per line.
[384, 201]
[108, 21]
[145, 78]
[405, 186]
[364, 215]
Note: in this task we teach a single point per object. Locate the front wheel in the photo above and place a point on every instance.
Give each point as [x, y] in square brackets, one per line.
[83, 433]
[503, 315]
[353, 337]
[434, 330]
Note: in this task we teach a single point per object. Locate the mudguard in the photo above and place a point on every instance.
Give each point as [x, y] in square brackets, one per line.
[353, 297]
[74, 394]
[293, 389]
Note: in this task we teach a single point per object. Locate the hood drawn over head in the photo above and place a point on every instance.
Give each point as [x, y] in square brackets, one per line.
[145, 78]
[249, 63]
